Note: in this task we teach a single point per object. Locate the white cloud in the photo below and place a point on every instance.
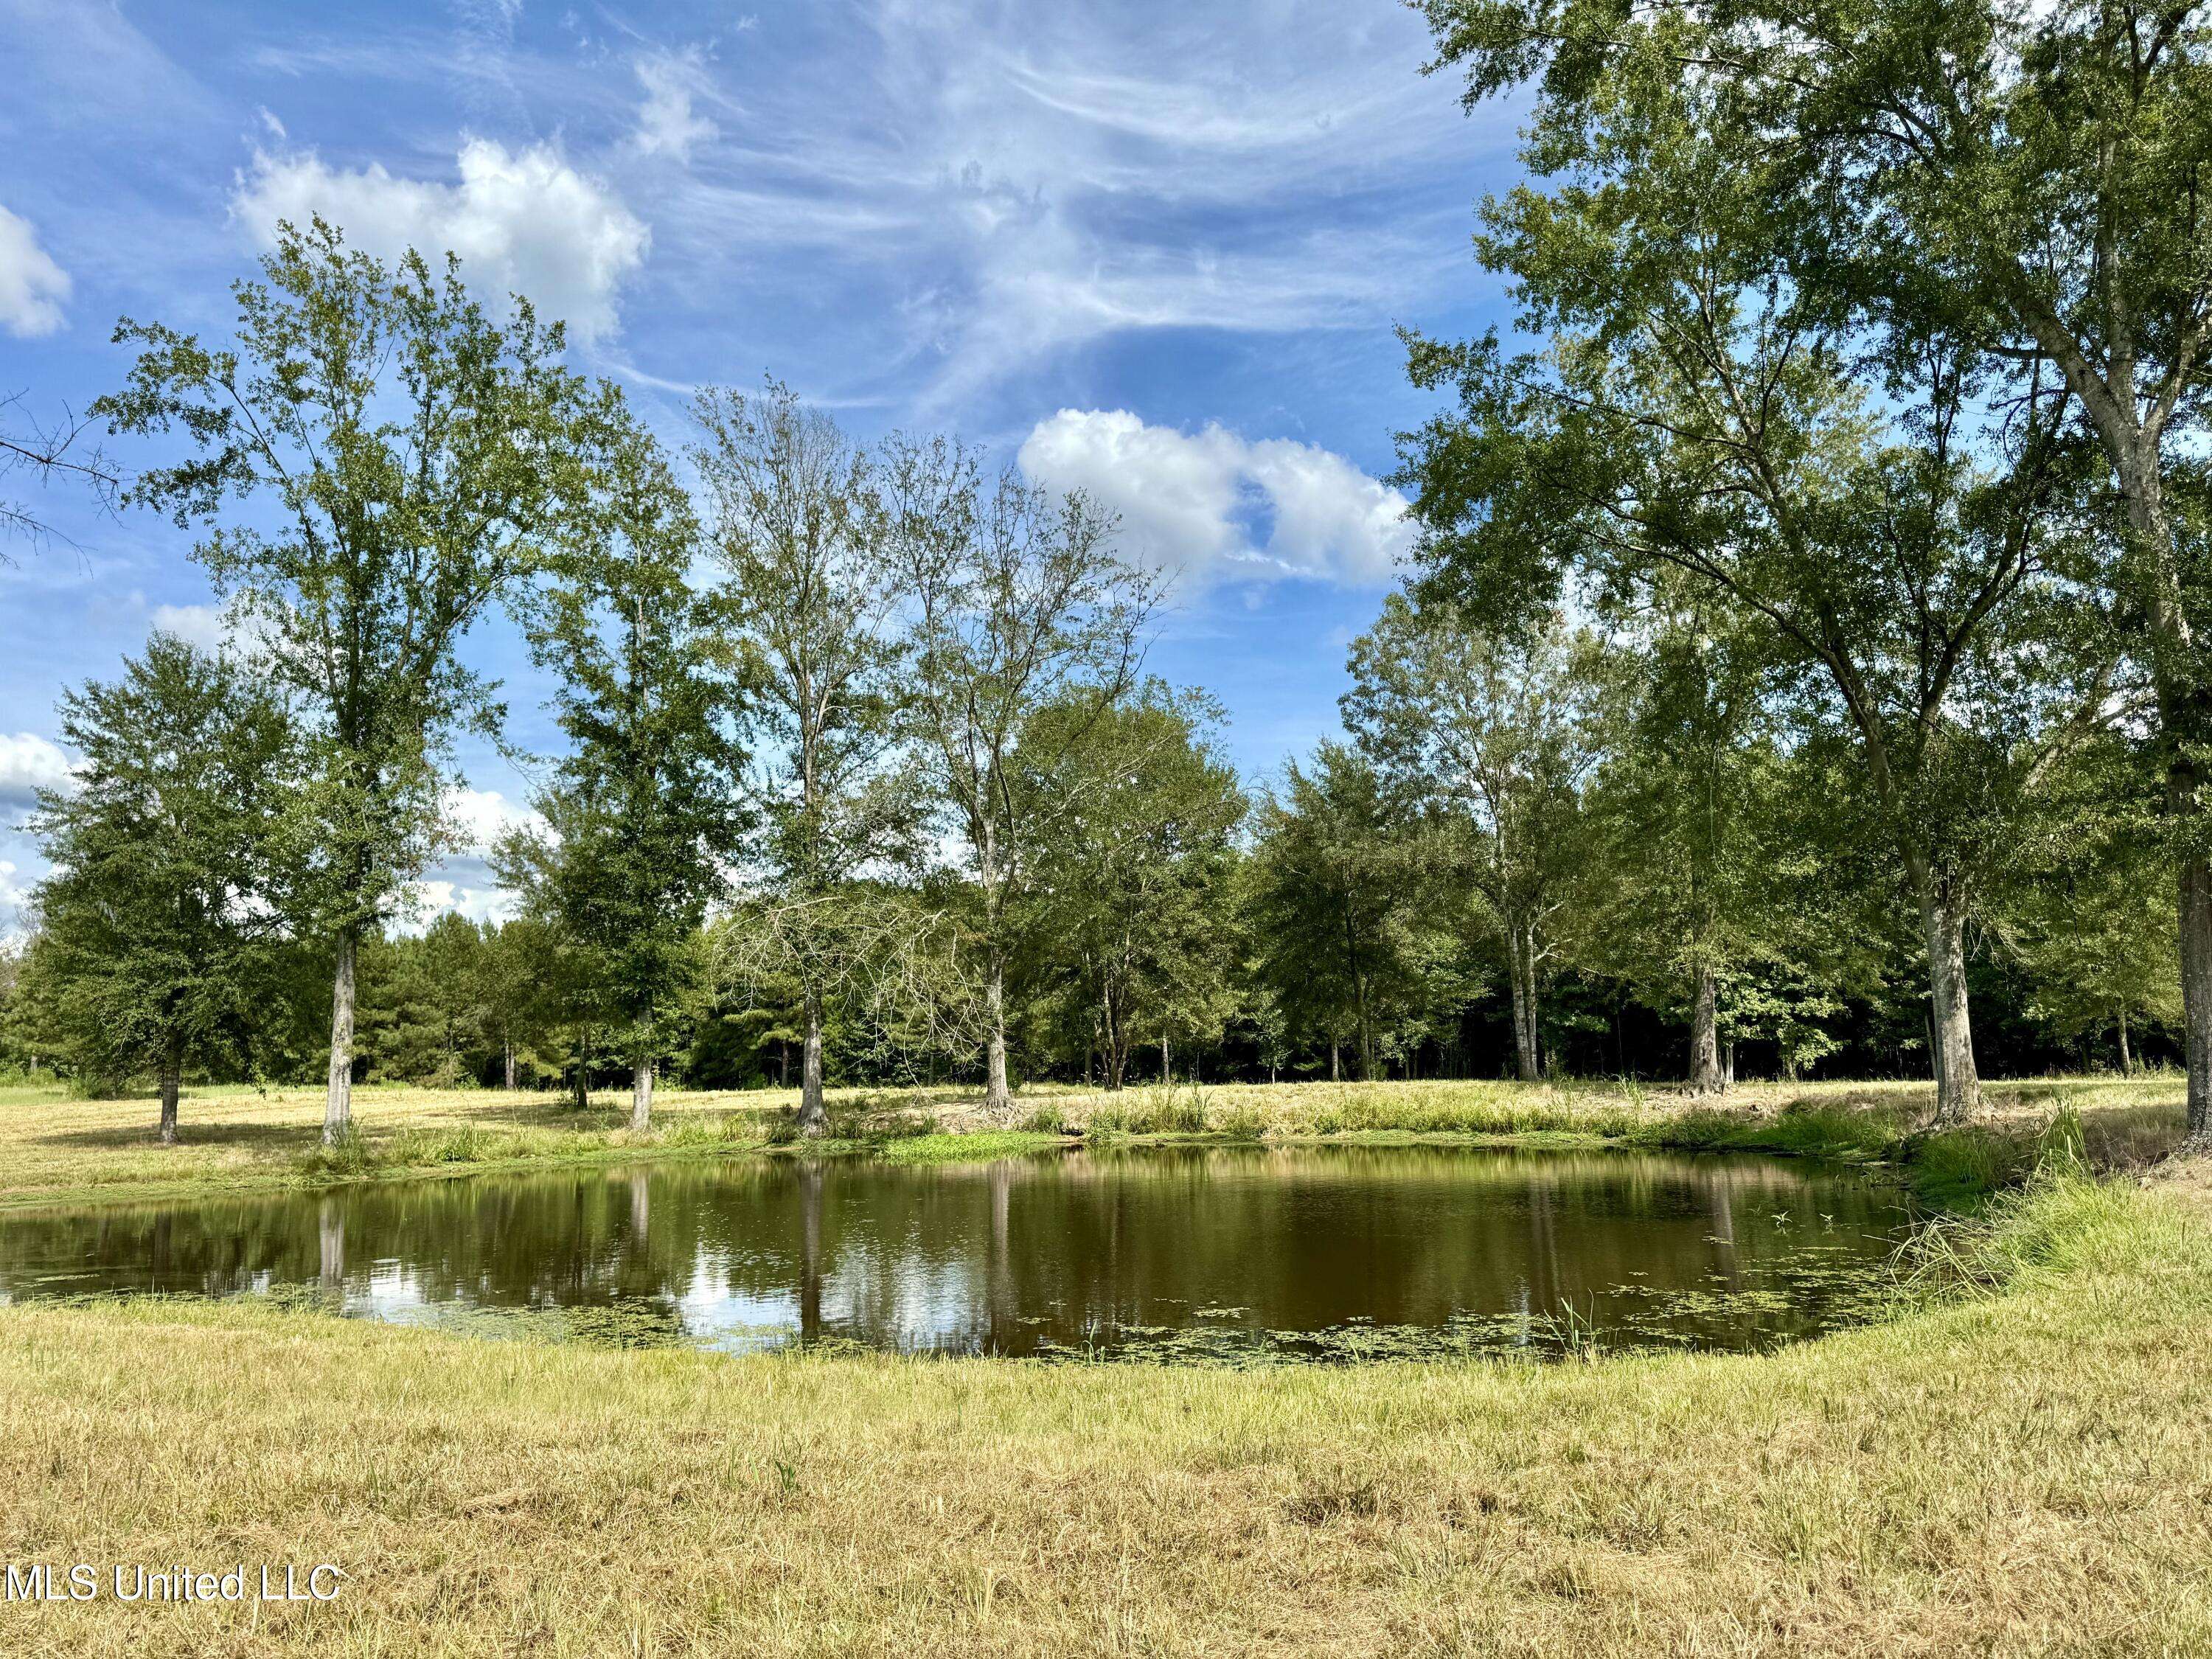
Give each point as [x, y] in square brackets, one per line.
[479, 902]
[14, 899]
[207, 626]
[666, 124]
[32, 287]
[28, 763]
[1003, 189]
[485, 815]
[523, 221]
[1213, 503]
[464, 881]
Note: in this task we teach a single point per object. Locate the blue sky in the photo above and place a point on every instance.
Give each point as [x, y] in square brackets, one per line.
[1154, 250]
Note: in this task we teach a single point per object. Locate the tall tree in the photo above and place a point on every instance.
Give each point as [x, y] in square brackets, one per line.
[158, 930]
[1694, 422]
[810, 599]
[2022, 181]
[640, 814]
[415, 458]
[1129, 921]
[1339, 874]
[1493, 727]
[1684, 804]
[1020, 602]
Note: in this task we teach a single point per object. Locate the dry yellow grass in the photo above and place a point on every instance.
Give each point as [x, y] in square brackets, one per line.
[2025, 1473]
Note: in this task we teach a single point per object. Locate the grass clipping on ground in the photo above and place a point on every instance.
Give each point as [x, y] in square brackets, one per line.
[2025, 1465]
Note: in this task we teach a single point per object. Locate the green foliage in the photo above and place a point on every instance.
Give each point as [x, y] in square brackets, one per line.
[374, 462]
[641, 813]
[1489, 731]
[1126, 937]
[158, 940]
[1346, 939]
[1020, 603]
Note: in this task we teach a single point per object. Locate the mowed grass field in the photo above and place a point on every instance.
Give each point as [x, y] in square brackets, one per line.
[2021, 1468]
[2019, 1462]
[54, 1148]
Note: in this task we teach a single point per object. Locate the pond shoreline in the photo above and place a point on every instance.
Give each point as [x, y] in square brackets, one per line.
[1187, 1251]
[1833, 1497]
[270, 1143]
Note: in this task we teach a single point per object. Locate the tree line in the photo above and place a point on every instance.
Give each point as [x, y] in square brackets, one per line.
[1797, 668]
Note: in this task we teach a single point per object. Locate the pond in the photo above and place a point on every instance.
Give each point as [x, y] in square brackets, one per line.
[1235, 1254]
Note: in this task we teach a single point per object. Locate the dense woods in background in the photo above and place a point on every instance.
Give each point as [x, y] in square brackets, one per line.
[1798, 672]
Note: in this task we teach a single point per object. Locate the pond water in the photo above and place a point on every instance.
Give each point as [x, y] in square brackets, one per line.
[1223, 1255]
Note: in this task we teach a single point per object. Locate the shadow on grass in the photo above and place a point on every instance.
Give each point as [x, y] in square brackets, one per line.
[270, 1137]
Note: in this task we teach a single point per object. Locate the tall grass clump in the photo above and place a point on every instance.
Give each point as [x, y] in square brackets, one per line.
[1157, 1108]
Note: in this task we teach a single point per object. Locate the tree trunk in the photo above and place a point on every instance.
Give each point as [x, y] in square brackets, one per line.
[996, 1097]
[2182, 721]
[1335, 1065]
[641, 1097]
[337, 1104]
[1705, 1075]
[1958, 1084]
[1524, 1008]
[172, 1066]
[1727, 1064]
[509, 1046]
[2127, 1061]
[2197, 994]
[1167, 1071]
[812, 1116]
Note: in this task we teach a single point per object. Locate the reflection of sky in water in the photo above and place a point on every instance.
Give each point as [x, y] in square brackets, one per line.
[1217, 1254]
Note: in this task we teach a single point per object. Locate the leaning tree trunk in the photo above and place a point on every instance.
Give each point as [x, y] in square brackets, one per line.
[2127, 1059]
[1958, 1083]
[641, 1097]
[811, 1115]
[337, 1104]
[996, 1097]
[172, 1066]
[1706, 1077]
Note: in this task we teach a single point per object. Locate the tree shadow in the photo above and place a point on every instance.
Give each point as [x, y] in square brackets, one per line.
[190, 1133]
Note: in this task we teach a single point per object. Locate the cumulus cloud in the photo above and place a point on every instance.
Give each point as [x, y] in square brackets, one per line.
[1213, 504]
[481, 901]
[465, 881]
[523, 221]
[32, 287]
[28, 763]
[485, 815]
[666, 123]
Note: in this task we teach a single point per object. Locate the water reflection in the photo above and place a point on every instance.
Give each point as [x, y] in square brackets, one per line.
[1222, 1254]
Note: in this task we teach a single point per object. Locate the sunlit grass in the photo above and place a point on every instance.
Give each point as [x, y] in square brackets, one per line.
[2021, 1466]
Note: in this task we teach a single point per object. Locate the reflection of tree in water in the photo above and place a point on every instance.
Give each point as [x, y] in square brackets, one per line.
[1042, 1254]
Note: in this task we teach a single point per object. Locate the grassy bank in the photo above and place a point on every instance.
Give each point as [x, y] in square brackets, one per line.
[54, 1149]
[2025, 1468]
